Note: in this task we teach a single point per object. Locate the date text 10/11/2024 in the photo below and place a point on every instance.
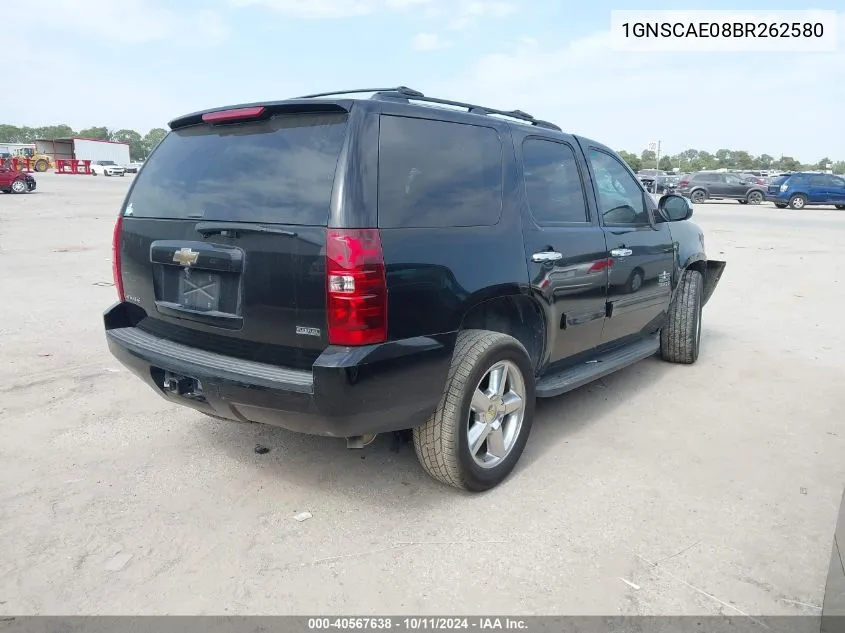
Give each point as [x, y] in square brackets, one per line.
[418, 623]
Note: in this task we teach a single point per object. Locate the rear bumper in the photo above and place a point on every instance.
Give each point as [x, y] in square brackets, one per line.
[349, 391]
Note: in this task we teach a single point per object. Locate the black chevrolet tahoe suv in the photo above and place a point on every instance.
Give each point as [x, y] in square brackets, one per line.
[348, 265]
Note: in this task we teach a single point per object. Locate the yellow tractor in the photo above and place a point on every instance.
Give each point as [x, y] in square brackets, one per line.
[38, 162]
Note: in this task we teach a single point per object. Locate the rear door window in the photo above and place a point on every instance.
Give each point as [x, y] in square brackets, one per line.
[276, 171]
[438, 174]
[553, 183]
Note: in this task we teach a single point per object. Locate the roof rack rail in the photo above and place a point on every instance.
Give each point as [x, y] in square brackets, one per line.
[403, 90]
[404, 95]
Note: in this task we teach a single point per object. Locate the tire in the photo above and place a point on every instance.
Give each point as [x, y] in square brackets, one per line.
[840, 206]
[442, 443]
[93, 173]
[680, 338]
[698, 196]
[19, 186]
[780, 205]
[754, 197]
[635, 281]
[798, 201]
[41, 165]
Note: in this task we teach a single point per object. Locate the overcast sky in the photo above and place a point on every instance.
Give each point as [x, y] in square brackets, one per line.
[138, 63]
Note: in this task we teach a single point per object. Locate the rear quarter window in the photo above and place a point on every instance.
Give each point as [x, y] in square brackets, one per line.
[438, 174]
[276, 171]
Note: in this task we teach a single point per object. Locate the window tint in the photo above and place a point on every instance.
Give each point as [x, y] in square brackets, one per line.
[435, 173]
[620, 197]
[836, 182]
[818, 181]
[732, 179]
[553, 183]
[281, 170]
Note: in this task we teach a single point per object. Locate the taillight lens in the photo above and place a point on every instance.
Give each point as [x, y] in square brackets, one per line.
[115, 258]
[600, 264]
[356, 287]
[683, 183]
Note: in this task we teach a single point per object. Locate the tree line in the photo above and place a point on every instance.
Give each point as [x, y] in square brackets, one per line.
[139, 146]
[696, 160]
[687, 161]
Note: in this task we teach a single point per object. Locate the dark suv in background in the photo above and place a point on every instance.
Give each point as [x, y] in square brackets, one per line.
[349, 266]
[718, 185]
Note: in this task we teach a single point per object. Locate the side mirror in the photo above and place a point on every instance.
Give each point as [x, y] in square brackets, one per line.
[676, 208]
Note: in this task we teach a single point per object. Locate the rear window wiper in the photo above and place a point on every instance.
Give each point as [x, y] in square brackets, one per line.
[233, 228]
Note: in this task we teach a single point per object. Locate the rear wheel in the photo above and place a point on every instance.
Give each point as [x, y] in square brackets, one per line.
[41, 165]
[798, 201]
[635, 281]
[680, 338]
[698, 196]
[479, 430]
[754, 197]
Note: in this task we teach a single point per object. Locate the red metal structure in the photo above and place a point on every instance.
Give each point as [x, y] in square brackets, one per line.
[73, 166]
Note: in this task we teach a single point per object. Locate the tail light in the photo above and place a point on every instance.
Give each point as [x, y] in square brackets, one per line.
[600, 264]
[115, 258]
[356, 287]
[683, 183]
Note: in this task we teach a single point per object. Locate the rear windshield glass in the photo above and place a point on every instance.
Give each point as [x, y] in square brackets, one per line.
[281, 171]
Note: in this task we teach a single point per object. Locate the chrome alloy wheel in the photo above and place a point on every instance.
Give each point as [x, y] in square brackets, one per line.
[496, 413]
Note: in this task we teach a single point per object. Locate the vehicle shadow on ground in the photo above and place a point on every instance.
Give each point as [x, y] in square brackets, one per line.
[389, 464]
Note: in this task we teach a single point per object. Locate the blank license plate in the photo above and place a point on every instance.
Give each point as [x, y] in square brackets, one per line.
[200, 290]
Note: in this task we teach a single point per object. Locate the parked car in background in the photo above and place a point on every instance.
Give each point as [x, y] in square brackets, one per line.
[718, 185]
[133, 167]
[107, 168]
[13, 181]
[754, 178]
[665, 184]
[801, 189]
[648, 176]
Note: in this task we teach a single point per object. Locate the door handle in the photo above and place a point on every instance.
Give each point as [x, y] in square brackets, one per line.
[546, 256]
[621, 252]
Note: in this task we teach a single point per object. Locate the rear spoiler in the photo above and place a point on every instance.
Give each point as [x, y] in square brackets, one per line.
[267, 110]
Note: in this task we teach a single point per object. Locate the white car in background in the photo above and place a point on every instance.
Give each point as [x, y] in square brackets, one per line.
[106, 168]
[133, 167]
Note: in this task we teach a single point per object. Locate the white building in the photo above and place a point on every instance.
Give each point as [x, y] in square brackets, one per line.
[84, 149]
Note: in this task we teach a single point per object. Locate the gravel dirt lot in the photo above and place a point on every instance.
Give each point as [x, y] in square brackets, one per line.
[662, 489]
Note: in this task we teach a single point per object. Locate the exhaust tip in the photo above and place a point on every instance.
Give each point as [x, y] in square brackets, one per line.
[360, 441]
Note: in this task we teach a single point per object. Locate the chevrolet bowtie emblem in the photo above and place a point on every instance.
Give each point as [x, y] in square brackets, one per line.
[185, 256]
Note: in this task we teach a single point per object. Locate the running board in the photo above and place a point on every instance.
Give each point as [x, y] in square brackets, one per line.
[553, 385]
